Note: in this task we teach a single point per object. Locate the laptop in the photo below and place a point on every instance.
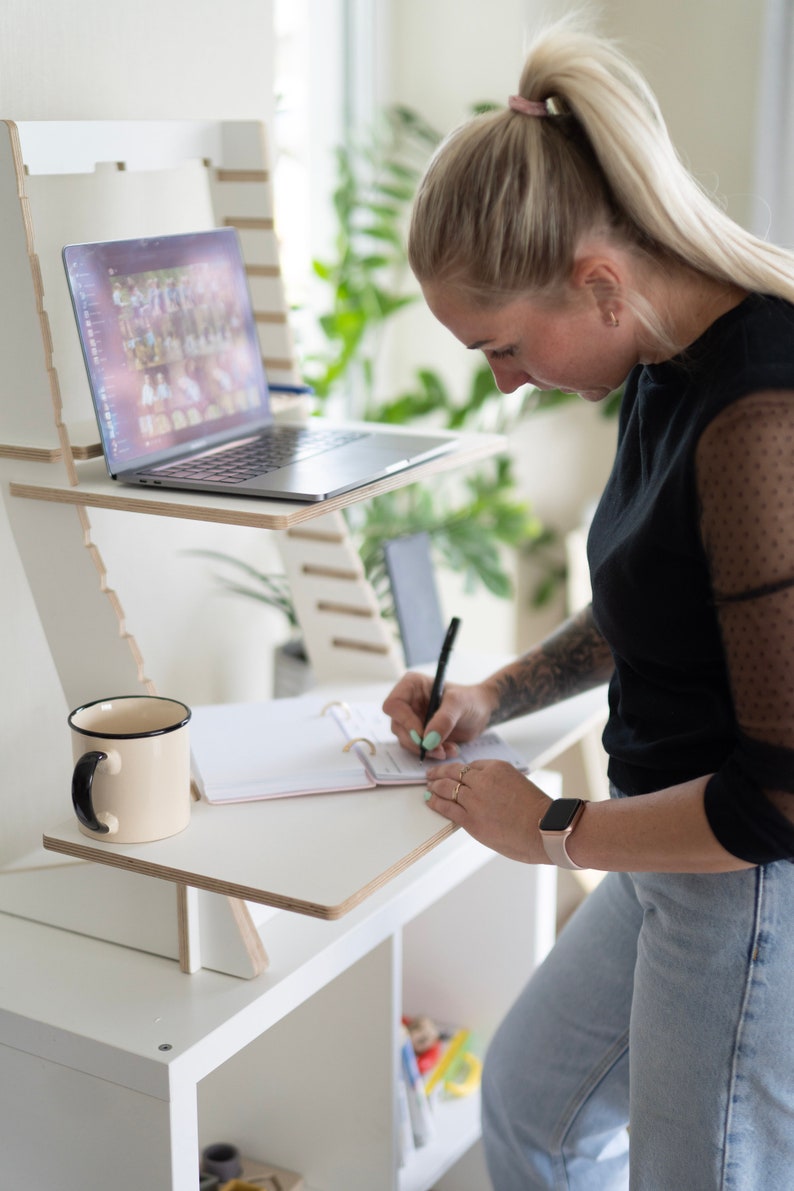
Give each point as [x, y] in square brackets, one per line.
[175, 370]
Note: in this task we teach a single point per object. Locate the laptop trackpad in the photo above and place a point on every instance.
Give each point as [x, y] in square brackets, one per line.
[333, 472]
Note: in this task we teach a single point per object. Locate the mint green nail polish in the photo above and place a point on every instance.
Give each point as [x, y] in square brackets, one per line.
[415, 737]
[431, 741]
[427, 796]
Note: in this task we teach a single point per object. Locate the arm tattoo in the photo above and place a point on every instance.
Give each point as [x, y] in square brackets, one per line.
[573, 659]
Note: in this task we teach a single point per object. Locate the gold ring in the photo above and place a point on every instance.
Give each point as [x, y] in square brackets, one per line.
[455, 793]
[464, 771]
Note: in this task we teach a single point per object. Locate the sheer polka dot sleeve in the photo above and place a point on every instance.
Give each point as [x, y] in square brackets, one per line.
[745, 481]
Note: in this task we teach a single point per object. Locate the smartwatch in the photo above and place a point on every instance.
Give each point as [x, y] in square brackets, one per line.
[555, 827]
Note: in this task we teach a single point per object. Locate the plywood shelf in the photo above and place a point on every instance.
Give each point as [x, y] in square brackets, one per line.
[84, 444]
[320, 855]
[96, 490]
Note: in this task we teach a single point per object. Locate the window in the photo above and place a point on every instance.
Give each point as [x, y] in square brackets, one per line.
[329, 81]
[773, 216]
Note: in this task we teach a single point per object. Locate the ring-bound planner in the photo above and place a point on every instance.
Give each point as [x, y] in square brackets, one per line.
[308, 745]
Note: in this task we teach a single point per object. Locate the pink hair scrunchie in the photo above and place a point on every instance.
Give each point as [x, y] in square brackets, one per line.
[538, 107]
[528, 107]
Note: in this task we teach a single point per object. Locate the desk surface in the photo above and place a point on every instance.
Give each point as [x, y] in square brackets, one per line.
[318, 854]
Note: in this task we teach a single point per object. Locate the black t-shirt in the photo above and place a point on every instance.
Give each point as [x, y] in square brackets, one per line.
[672, 715]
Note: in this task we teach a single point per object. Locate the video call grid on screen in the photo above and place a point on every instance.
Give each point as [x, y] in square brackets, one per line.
[170, 343]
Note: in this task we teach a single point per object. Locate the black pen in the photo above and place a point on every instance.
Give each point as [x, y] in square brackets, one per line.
[438, 681]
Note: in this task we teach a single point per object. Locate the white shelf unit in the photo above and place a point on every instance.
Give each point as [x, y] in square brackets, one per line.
[297, 1067]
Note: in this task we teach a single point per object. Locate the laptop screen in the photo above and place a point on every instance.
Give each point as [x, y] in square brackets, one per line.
[170, 343]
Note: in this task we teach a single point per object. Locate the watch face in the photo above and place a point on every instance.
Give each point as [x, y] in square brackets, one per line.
[560, 814]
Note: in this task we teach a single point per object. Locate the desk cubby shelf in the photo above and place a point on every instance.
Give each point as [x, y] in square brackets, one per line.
[369, 905]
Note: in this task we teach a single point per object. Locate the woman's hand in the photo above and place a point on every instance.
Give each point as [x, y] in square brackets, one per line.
[464, 713]
[495, 803]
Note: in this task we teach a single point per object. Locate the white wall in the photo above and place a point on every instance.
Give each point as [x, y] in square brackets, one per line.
[87, 59]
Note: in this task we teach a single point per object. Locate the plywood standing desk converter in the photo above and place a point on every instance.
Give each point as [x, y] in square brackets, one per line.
[317, 854]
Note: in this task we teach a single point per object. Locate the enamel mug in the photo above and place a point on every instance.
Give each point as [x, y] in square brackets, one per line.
[131, 780]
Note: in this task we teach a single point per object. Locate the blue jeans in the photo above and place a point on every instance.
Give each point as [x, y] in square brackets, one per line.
[667, 1002]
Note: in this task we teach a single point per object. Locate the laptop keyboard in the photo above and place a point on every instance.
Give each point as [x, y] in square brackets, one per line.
[281, 445]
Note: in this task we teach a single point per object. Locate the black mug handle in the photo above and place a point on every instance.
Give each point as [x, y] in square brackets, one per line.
[81, 791]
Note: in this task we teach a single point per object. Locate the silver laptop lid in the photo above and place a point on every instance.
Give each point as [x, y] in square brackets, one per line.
[170, 344]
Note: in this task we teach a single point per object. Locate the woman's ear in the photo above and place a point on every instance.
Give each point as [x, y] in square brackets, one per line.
[599, 277]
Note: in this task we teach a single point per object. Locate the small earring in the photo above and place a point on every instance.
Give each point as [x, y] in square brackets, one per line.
[613, 321]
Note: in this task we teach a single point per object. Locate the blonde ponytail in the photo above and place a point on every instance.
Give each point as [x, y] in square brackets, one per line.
[509, 196]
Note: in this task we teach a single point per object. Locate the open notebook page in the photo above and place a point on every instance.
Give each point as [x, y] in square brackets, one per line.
[390, 762]
[308, 745]
[245, 751]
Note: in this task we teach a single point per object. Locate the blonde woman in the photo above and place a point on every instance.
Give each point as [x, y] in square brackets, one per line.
[563, 238]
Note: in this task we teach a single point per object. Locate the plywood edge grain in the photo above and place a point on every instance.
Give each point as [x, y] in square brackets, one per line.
[246, 893]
